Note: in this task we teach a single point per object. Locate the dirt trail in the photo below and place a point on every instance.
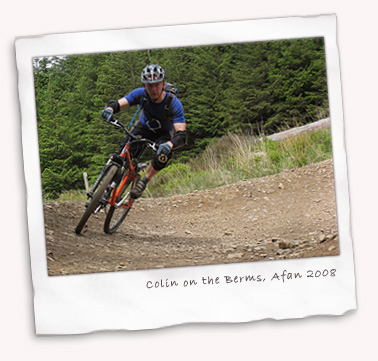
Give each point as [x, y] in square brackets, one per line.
[287, 215]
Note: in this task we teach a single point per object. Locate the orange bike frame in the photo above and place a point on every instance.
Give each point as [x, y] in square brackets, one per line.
[130, 174]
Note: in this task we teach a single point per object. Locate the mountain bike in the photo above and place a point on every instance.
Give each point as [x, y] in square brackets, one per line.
[114, 183]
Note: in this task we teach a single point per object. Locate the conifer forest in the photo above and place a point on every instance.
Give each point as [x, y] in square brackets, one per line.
[260, 88]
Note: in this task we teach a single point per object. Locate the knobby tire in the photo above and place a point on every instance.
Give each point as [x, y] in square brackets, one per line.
[106, 180]
[119, 214]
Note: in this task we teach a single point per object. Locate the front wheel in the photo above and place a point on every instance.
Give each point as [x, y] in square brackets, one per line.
[118, 213]
[94, 203]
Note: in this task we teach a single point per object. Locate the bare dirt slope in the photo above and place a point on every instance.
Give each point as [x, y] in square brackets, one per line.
[287, 215]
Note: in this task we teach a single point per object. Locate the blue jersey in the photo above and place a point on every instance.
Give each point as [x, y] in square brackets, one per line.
[153, 113]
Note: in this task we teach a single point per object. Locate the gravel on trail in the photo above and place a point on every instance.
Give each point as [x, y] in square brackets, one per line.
[288, 215]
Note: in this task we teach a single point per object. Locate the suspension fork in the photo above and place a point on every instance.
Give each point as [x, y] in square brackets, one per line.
[96, 183]
[125, 154]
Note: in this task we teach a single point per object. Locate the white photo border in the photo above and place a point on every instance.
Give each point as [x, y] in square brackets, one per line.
[121, 300]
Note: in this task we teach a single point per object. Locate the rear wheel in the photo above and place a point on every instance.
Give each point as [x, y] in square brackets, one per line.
[94, 203]
[117, 214]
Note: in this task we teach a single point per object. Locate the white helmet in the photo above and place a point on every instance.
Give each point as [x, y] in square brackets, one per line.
[153, 73]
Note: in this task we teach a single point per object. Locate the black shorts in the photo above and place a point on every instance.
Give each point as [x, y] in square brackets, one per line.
[158, 137]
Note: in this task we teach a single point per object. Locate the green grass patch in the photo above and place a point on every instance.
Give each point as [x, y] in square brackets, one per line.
[237, 157]
[72, 196]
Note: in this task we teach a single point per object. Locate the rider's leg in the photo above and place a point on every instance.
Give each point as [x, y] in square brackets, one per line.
[139, 188]
[151, 171]
[153, 168]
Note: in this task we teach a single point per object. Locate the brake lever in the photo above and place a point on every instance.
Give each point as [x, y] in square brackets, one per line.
[115, 124]
[152, 146]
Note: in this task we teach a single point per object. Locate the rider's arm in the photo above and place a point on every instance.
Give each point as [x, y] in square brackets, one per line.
[179, 139]
[117, 105]
[123, 103]
[179, 125]
[134, 97]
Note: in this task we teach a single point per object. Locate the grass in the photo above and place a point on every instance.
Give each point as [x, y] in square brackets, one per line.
[232, 158]
[72, 196]
[237, 157]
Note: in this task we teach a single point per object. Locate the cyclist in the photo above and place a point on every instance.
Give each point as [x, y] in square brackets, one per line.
[162, 123]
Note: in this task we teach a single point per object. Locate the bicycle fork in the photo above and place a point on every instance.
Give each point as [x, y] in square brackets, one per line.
[105, 197]
[97, 182]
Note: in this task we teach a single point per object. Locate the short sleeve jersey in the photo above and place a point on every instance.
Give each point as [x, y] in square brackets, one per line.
[156, 111]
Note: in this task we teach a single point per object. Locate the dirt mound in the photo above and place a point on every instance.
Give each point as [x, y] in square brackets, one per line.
[287, 215]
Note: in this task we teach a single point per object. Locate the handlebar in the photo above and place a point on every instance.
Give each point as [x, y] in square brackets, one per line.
[118, 125]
